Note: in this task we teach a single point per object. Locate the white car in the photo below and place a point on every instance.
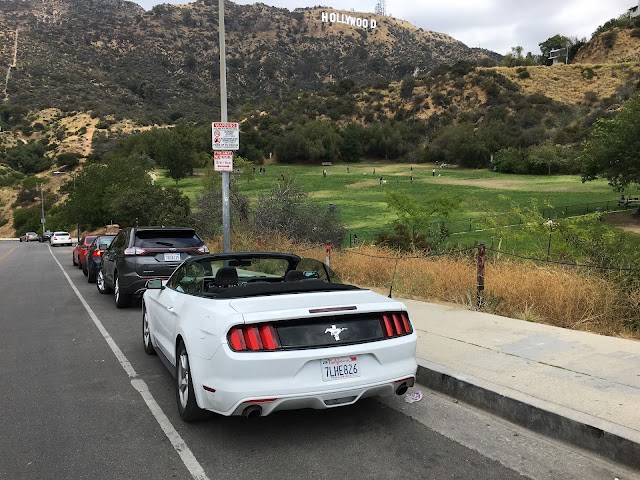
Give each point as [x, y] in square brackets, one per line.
[60, 238]
[252, 333]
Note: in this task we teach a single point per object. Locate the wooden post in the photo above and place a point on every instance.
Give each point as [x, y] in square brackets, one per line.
[480, 292]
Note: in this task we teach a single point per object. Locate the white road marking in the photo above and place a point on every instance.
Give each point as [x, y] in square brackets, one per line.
[187, 457]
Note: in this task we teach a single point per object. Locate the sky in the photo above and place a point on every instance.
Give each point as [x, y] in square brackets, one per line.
[496, 25]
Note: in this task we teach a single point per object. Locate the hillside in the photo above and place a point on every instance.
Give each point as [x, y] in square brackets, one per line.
[616, 46]
[112, 57]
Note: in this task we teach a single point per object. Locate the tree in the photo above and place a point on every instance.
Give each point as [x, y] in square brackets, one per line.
[415, 219]
[612, 150]
[287, 210]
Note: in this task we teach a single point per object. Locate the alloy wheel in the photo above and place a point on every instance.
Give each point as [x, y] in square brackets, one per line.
[183, 379]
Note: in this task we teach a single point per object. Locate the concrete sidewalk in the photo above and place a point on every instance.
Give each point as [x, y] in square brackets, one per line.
[574, 386]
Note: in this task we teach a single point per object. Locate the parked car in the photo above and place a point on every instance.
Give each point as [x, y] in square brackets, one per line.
[60, 238]
[46, 236]
[94, 255]
[253, 333]
[140, 253]
[80, 252]
[29, 237]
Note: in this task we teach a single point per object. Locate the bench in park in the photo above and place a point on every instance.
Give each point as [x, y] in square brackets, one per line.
[326, 164]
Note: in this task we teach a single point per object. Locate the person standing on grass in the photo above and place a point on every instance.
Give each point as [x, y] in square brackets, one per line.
[433, 172]
[380, 179]
[324, 173]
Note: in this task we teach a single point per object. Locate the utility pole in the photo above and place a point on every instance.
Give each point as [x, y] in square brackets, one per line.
[226, 210]
[42, 205]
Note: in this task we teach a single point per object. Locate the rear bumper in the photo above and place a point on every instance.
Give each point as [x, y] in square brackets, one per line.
[293, 379]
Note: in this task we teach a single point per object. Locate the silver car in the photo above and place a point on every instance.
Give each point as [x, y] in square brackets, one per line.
[30, 237]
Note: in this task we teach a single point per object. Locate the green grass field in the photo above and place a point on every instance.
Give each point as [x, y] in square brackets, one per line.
[361, 199]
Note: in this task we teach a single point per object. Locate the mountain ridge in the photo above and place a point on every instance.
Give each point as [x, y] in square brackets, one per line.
[157, 65]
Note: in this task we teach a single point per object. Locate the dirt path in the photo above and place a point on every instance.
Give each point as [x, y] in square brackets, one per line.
[12, 65]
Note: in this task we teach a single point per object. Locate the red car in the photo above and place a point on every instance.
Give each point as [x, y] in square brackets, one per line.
[80, 252]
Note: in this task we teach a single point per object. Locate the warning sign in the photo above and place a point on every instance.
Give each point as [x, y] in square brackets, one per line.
[223, 161]
[225, 136]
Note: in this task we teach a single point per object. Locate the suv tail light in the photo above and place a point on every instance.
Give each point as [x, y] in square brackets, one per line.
[96, 253]
[253, 338]
[396, 324]
[134, 251]
[203, 249]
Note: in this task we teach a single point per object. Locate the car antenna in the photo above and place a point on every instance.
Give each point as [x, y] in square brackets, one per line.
[393, 278]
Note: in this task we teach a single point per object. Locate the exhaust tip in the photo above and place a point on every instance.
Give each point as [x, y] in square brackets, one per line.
[252, 411]
[402, 389]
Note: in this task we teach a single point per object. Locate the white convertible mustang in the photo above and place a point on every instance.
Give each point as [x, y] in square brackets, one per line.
[252, 333]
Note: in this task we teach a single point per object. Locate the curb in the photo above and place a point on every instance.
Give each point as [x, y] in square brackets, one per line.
[11, 239]
[613, 441]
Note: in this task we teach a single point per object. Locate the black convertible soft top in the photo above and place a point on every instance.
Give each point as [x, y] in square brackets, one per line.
[257, 289]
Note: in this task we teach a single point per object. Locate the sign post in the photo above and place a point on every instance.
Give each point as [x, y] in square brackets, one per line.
[226, 209]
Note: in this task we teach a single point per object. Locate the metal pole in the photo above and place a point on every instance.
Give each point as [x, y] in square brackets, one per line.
[42, 204]
[74, 191]
[480, 275]
[226, 211]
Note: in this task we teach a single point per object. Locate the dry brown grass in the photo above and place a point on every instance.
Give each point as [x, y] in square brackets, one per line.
[553, 295]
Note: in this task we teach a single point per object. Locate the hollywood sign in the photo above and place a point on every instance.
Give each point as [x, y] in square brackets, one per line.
[334, 17]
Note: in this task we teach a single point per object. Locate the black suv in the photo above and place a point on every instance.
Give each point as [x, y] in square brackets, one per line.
[140, 253]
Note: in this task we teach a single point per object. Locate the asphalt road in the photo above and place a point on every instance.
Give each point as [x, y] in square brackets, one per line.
[74, 409]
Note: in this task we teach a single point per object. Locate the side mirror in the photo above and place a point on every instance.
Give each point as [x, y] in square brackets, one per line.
[104, 246]
[85, 247]
[154, 284]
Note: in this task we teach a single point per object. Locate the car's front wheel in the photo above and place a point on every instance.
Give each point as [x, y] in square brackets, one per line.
[122, 300]
[73, 259]
[83, 266]
[185, 396]
[146, 334]
[102, 284]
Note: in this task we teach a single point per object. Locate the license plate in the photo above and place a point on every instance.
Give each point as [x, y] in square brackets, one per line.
[171, 257]
[339, 368]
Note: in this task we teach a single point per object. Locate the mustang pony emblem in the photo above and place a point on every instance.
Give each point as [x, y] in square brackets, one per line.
[335, 332]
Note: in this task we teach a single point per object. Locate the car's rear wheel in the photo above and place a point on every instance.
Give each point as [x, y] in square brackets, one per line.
[102, 284]
[146, 334]
[122, 300]
[185, 396]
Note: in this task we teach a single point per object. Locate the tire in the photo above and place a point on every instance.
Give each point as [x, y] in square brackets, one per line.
[185, 396]
[91, 275]
[146, 334]
[101, 283]
[83, 266]
[122, 300]
[73, 258]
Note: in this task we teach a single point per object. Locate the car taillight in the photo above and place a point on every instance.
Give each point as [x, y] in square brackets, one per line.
[96, 253]
[134, 251]
[253, 338]
[396, 324]
[203, 249]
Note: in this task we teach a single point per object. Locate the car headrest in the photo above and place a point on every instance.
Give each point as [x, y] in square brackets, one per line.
[226, 277]
[294, 276]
